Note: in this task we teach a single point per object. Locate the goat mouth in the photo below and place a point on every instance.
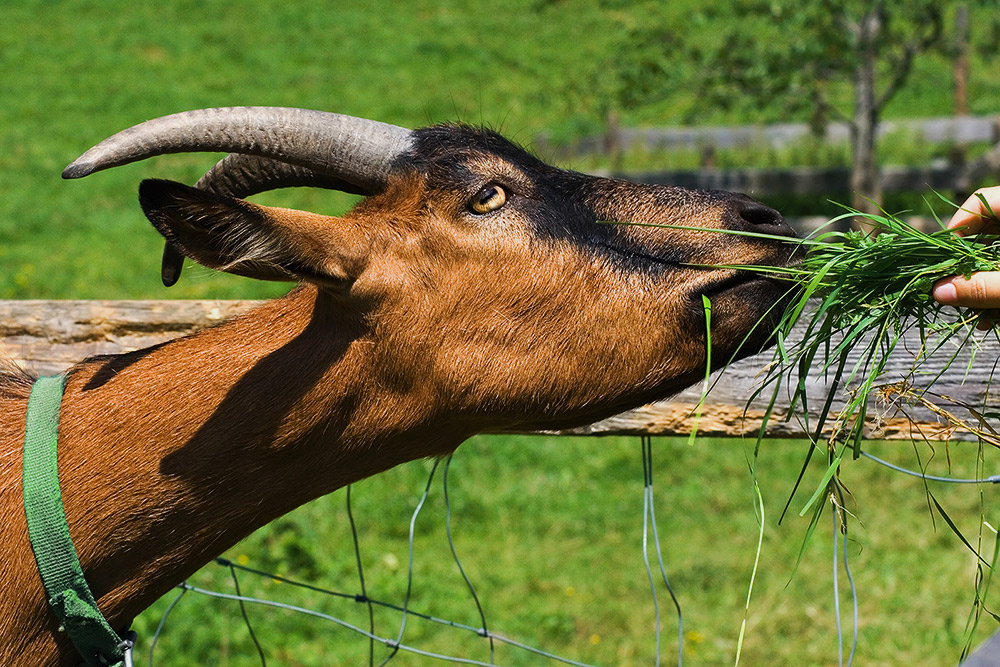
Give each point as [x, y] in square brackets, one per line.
[774, 283]
[745, 294]
[741, 280]
[747, 307]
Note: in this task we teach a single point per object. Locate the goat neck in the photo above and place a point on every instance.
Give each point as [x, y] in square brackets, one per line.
[266, 414]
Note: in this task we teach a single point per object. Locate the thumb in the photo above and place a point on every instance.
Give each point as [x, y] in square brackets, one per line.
[980, 290]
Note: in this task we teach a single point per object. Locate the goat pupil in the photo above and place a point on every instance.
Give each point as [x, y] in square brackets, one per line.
[490, 198]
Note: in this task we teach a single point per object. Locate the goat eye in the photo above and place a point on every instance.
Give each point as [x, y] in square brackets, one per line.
[488, 199]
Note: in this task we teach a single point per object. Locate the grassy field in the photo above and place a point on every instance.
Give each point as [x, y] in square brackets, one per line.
[549, 529]
[75, 72]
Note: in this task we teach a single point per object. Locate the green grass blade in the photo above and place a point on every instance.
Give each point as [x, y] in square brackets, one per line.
[707, 307]
[824, 484]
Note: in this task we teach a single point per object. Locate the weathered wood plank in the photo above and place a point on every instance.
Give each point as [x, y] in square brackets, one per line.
[49, 336]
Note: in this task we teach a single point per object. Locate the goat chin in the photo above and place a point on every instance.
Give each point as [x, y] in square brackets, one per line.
[745, 316]
[473, 288]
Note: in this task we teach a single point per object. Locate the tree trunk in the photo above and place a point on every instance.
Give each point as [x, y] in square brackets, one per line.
[960, 69]
[961, 64]
[865, 187]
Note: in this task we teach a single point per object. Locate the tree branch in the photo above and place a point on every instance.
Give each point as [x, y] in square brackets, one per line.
[826, 107]
[902, 66]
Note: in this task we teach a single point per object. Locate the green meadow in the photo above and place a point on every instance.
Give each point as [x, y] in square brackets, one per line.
[549, 530]
[75, 72]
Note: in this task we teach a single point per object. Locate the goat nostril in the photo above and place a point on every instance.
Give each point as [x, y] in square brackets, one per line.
[760, 215]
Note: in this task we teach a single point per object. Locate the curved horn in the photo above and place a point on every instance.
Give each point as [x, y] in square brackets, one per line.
[356, 150]
[273, 147]
[240, 175]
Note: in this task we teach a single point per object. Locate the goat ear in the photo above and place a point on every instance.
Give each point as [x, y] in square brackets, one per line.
[246, 239]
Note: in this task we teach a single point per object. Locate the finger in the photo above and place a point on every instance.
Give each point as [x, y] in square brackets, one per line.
[974, 214]
[981, 290]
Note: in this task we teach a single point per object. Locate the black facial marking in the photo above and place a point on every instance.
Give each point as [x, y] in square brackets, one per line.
[561, 205]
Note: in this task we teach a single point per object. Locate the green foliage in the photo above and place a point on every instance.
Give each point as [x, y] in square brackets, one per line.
[794, 59]
[888, 271]
[858, 293]
[800, 52]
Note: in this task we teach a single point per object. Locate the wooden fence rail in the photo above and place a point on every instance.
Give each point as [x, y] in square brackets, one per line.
[961, 174]
[763, 181]
[947, 130]
[49, 336]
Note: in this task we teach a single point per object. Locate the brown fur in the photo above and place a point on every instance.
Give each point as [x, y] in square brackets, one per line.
[419, 325]
[15, 382]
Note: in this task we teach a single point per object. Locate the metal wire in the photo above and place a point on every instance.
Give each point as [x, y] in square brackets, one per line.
[649, 518]
[836, 592]
[163, 622]
[409, 572]
[458, 563]
[361, 577]
[390, 643]
[992, 479]
[854, 604]
[396, 645]
[246, 618]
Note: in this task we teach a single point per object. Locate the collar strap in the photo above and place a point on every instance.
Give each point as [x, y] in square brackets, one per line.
[65, 585]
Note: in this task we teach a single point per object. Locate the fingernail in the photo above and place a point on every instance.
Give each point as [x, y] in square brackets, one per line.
[945, 293]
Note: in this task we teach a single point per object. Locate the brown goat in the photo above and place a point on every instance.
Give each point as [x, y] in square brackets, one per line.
[475, 288]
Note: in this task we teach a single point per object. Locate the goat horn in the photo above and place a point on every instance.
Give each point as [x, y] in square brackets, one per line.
[241, 175]
[271, 147]
[355, 150]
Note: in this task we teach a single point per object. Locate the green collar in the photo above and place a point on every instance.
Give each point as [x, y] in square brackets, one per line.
[65, 585]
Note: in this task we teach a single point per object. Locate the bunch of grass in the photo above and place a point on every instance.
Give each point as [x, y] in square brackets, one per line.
[853, 299]
[857, 295]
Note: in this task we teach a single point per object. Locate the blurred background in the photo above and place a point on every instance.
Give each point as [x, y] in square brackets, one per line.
[798, 102]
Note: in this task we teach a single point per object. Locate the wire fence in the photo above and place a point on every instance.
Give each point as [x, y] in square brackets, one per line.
[396, 644]
[391, 644]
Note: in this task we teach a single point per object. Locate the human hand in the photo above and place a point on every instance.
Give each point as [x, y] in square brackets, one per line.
[978, 213]
[981, 290]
